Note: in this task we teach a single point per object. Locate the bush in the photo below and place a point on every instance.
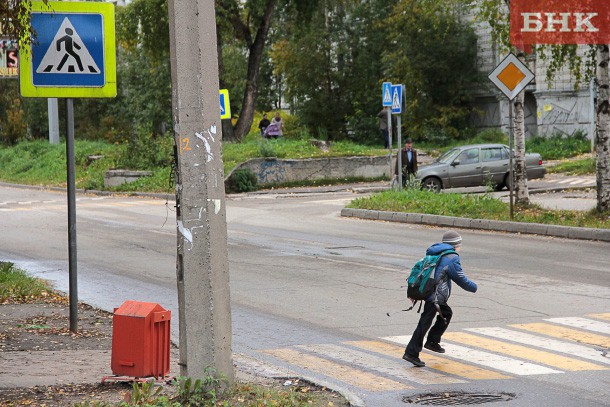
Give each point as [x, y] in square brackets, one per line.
[559, 146]
[145, 151]
[242, 180]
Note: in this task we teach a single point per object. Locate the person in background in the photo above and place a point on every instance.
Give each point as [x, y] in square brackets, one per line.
[277, 120]
[409, 162]
[383, 127]
[262, 125]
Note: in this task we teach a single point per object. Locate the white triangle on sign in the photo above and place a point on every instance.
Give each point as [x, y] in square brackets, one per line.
[67, 54]
[396, 101]
[387, 98]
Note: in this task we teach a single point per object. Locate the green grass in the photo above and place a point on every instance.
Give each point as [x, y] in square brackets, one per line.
[17, 286]
[557, 147]
[475, 207]
[585, 166]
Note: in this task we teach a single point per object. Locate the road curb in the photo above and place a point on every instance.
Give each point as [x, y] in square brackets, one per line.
[481, 224]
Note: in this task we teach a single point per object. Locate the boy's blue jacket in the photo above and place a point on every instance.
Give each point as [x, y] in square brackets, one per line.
[448, 269]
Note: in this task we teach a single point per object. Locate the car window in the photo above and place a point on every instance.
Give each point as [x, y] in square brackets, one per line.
[470, 156]
[505, 155]
[448, 156]
[491, 154]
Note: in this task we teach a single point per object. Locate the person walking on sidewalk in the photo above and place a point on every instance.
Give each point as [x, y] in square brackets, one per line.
[447, 270]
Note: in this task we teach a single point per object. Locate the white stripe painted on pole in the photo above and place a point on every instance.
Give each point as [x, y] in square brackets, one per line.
[554, 345]
[380, 364]
[473, 356]
[583, 323]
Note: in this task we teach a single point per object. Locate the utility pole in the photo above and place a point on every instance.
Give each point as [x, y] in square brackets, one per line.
[202, 265]
[53, 112]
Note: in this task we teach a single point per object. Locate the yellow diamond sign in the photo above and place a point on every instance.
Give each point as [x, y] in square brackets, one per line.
[511, 76]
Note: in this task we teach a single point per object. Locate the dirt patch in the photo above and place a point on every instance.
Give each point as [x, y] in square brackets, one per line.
[42, 363]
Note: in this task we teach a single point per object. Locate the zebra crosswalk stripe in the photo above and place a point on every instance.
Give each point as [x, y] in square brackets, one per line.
[565, 333]
[498, 362]
[380, 364]
[583, 323]
[434, 362]
[344, 373]
[600, 316]
[522, 352]
[569, 348]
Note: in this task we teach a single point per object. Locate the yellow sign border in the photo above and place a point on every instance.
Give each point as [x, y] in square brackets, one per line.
[225, 93]
[108, 90]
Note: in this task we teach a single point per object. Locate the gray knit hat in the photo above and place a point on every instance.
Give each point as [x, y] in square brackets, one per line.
[452, 237]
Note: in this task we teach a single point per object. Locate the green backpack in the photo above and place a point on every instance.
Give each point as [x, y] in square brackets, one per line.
[421, 282]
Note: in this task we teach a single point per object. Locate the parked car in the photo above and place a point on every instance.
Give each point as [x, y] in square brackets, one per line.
[475, 165]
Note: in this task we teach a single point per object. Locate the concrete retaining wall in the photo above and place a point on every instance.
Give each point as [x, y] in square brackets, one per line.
[273, 170]
[113, 178]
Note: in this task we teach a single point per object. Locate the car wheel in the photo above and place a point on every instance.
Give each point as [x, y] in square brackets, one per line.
[500, 187]
[432, 184]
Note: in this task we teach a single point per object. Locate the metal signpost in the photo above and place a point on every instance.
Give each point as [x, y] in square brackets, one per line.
[73, 56]
[386, 101]
[397, 98]
[511, 76]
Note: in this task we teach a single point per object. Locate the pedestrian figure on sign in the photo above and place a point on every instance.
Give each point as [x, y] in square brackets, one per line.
[69, 46]
[448, 269]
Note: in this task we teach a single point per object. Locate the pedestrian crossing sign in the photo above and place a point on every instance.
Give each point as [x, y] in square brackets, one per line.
[225, 107]
[397, 99]
[386, 94]
[73, 53]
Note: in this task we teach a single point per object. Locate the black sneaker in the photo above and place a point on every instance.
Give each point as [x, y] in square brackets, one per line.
[413, 359]
[434, 347]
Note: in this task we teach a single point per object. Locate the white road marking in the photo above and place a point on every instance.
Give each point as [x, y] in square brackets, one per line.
[583, 323]
[554, 345]
[383, 365]
[473, 356]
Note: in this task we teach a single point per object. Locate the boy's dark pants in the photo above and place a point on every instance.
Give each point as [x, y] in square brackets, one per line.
[417, 340]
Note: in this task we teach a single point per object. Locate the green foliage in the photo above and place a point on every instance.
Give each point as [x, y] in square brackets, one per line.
[475, 207]
[559, 146]
[146, 150]
[146, 394]
[201, 392]
[437, 62]
[17, 286]
[242, 180]
[266, 149]
[12, 116]
[490, 136]
[585, 166]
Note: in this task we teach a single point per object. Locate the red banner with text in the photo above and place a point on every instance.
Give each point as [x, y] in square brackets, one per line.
[559, 22]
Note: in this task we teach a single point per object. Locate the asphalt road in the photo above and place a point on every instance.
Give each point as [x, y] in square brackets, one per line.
[310, 291]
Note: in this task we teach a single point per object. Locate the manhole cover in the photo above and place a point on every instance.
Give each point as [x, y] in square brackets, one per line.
[456, 399]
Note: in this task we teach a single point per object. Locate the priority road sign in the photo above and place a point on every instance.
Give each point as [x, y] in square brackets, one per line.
[397, 99]
[73, 55]
[511, 76]
[225, 106]
[386, 94]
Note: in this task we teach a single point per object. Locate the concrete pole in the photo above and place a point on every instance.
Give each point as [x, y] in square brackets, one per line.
[202, 265]
[53, 113]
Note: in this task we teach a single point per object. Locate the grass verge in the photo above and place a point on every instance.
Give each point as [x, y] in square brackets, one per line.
[17, 287]
[585, 166]
[476, 207]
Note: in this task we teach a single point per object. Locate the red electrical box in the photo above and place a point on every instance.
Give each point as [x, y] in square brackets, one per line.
[140, 340]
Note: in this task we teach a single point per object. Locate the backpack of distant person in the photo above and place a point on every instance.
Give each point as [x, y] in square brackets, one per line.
[421, 283]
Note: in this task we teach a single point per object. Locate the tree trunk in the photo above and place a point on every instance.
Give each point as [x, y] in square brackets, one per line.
[227, 127]
[520, 184]
[255, 56]
[603, 129]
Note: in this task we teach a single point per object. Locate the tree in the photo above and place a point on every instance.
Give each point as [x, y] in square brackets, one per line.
[496, 13]
[250, 21]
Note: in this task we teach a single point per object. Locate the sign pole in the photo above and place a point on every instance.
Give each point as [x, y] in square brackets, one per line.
[71, 215]
[399, 154]
[511, 142]
[390, 139]
[592, 97]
